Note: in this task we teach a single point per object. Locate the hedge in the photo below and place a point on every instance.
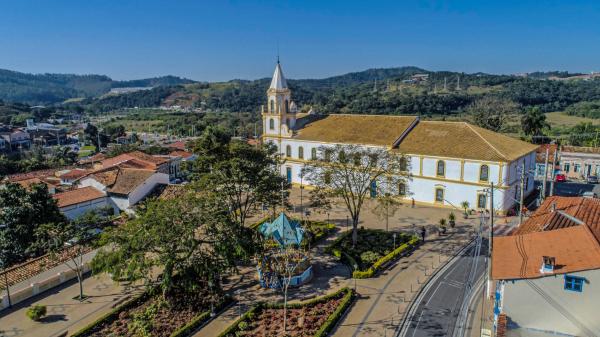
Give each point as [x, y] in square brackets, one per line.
[185, 330]
[370, 272]
[323, 330]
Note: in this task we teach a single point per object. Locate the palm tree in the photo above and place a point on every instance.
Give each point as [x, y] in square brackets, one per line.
[534, 122]
[465, 205]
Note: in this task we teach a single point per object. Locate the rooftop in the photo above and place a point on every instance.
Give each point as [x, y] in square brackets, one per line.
[520, 256]
[77, 196]
[558, 212]
[140, 160]
[128, 180]
[278, 82]
[580, 149]
[435, 138]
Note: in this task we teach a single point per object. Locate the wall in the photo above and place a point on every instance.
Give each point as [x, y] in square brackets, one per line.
[74, 211]
[583, 160]
[544, 304]
[92, 182]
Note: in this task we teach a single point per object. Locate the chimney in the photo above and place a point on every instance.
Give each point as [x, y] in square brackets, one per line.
[553, 207]
[548, 263]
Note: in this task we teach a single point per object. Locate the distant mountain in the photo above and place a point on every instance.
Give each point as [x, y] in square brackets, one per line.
[55, 88]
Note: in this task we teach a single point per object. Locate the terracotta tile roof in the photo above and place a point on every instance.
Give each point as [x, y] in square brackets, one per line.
[540, 153]
[580, 149]
[356, 129]
[128, 180]
[106, 177]
[77, 196]
[74, 174]
[558, 212]
[435, 138]
[521, 256]
[33, 174]
[182, 154]
[179, 145]
[95, 158]
[141, 160]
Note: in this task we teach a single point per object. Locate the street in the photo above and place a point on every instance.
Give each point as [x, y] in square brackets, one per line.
[436, 310]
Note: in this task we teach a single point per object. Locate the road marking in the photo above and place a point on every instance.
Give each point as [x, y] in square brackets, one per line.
[416, 326]
[433, 294]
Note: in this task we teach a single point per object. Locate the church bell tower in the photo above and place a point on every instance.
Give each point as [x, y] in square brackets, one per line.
[279, 115]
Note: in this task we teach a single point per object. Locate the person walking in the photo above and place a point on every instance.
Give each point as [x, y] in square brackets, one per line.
[423, 232]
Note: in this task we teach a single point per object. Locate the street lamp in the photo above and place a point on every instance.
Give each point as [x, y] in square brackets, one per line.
[355, 268]
[2, 226]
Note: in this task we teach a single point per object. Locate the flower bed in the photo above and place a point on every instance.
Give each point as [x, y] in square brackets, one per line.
[149, 315]
[316, 317]
[374, 250]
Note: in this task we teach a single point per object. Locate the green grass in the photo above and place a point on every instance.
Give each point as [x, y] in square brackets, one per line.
[559, 118]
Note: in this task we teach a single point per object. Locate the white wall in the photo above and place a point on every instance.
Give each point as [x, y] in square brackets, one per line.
[92, 182]
[144, 189]
[74, 211]
[422, 188]
[544, 304]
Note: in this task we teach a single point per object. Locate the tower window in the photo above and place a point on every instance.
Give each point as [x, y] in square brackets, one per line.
[441, 168]
[287, 106]
[402, 189]
[271, 124]
[301, 152]
[272, 106]
[288, 151]
[313, 153]
[484, 173]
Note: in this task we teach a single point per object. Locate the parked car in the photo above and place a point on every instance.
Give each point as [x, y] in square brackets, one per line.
[589, 194]
[560, 178]
[592, 180]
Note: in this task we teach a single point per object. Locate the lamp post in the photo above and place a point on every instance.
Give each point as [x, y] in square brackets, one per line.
[237, 293]
[355, 268]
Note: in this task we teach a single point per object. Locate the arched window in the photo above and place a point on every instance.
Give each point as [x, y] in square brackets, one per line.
[481, 200]
[271, 124]
[401, 189]
[342, 156]
[287, 106]
[484, 173]
[272, 106]
[301, 152]
[441, 168]
[313, 153]
[288, 151]
[327, 155]
[439, 194]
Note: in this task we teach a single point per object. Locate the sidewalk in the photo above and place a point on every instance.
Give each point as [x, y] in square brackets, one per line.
[382, 301]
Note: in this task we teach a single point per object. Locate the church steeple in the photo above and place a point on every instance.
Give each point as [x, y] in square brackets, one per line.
[278, 82]
[280, 114]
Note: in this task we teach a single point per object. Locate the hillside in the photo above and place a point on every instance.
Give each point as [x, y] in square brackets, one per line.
[46, 89]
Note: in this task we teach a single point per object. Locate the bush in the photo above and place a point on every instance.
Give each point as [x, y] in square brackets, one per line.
[369, 257]
[36, 312]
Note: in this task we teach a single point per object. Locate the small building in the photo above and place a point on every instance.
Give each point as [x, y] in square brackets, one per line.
[282, 230]
[540, 161]
[125, 186]
[579, 162]
[548, 282]
[14, 139]
[73, 204]
[70, 176]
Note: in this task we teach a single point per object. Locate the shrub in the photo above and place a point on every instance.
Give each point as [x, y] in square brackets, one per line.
[369, 257]
[36, 312]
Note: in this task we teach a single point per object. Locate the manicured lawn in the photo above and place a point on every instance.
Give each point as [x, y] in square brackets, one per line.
[312, 318]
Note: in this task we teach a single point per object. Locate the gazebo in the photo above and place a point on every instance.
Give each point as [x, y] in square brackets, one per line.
[287, 234]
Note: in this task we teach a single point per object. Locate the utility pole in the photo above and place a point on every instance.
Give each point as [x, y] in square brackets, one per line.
[522, 193]
[545, 176]
[554, 159]
[491, 242]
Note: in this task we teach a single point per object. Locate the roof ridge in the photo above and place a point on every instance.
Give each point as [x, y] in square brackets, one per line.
[485, 140]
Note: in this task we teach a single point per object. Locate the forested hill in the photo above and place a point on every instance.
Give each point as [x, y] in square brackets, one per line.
[55, 88]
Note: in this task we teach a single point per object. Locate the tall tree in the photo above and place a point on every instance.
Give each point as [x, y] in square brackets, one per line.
[354, 173]
[533, 122]
[387, 206]
[491, 112]
[189, 236]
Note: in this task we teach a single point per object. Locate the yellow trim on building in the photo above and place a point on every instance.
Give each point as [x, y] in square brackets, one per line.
[462, 170]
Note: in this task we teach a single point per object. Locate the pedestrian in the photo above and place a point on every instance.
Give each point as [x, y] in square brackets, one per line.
[423, 232]
[413, 202]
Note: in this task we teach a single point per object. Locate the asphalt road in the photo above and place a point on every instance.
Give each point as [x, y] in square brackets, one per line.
[437, 308]
[573, 188]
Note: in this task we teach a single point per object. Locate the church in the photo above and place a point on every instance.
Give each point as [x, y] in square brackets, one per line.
[450, 162]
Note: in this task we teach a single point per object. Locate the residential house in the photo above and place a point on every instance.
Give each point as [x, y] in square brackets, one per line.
[163, 164]
[14, 138]
[124, 185]
[546, 272]
[540, 162]
[69, 177]
[580, 162]
[26, 180]
[450, 162]
[75, 203]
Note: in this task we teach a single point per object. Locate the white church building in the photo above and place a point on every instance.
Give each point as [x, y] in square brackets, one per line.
[450, 162]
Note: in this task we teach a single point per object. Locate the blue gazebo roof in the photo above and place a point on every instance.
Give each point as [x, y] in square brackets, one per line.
[283, 230]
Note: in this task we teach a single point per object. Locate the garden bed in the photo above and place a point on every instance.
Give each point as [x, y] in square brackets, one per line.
[374, 250]
[150, 315]
[316, 317]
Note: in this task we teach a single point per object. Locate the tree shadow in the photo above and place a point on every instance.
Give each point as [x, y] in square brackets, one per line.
[54, 318]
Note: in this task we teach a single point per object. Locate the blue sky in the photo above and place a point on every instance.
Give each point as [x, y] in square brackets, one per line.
[222, 40]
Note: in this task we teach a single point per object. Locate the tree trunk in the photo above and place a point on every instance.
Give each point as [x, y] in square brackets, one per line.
[80, 279]
[285, 308]
[354, 232]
